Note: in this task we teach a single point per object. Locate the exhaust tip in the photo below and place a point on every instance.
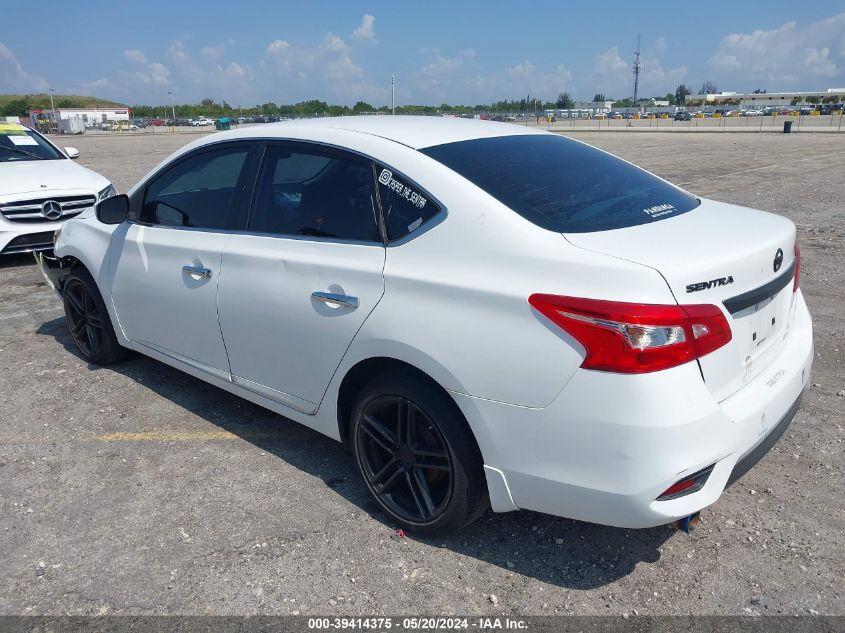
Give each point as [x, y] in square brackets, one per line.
[687, 524]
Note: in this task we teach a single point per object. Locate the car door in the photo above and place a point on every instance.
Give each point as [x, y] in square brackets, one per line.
[301, 280]
[165, 266]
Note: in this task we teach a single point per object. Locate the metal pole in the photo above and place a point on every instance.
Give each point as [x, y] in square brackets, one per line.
[172, 112]
[637, 67]
[53, 108]
[393, 94]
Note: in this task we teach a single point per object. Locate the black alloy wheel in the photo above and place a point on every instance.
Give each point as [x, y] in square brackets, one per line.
[417, 455]
[405, 459]
[88, 319]
[84, 318]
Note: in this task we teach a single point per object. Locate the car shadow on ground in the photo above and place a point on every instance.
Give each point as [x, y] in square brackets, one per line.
[562, 552]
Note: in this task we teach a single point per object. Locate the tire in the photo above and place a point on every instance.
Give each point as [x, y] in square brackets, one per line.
[427, 473]
[88, 320]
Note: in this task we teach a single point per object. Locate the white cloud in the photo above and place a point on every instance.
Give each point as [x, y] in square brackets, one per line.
[367, 31]
[518, 81]
[102, 87]
[196, 78]
[333, 44]
[441, 69]
[98, 84]
[613, 76]
[214, 52]
[654, 78]
[610, 72]
[135, 56]
[525, 78]
[177, 53]
[277, 47]
[788, 57]
[609, 62]
[14, 77]
[331, 58]
[152, 74]
[457, 78]
[191, 77]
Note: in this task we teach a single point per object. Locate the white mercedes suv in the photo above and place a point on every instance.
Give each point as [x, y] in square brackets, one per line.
[490, 315]
[40, 187]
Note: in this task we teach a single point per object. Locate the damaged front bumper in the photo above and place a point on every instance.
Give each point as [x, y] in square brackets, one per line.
[53, 269]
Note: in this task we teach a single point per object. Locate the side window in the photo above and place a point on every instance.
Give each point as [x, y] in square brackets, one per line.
[197, 192]
[405, 207]
[305, 192]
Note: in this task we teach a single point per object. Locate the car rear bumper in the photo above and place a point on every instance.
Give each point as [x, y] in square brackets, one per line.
[610, 444]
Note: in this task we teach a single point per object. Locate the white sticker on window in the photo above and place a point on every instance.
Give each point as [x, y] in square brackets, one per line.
[413, 226]
[660, 210]
[386, 178]
[22, 139]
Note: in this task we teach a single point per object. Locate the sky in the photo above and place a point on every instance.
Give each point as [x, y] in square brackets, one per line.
[440, 52]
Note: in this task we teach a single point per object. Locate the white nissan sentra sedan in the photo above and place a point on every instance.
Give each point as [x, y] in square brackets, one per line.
[490, 315]
[40, 187]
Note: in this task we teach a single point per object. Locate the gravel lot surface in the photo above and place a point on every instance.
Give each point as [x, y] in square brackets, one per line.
[137, 489]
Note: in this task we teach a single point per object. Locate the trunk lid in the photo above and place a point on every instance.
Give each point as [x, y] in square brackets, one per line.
[724, 255]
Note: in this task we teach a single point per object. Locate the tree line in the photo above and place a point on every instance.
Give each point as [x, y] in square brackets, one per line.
[314, 107]
[21, 105]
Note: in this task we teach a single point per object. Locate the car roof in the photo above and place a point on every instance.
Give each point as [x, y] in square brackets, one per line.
[416, 132]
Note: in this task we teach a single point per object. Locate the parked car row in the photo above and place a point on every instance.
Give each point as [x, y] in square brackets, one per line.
[139, 123]
[260, 119]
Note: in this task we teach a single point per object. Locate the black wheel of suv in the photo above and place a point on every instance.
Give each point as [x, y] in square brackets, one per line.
[417, 455]
[88, 320]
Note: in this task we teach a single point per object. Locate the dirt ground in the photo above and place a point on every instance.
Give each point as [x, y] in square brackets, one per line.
[137, 489]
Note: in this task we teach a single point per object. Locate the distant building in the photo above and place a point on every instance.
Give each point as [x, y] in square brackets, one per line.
[761, 100]
[90, 116]
[600, 107]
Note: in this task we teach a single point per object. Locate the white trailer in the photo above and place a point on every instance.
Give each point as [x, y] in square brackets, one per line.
[71, 126]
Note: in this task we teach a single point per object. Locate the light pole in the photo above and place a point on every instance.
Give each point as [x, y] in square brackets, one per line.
[52, 107]
[393, 94]
[172, 107]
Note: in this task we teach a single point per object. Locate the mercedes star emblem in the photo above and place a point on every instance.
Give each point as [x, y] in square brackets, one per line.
[51, 210]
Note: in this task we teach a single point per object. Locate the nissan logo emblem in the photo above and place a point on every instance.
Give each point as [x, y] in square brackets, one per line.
[778, 259]
[52, 210]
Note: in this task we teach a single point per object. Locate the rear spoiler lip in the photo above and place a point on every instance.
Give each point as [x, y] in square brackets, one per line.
[758, 295]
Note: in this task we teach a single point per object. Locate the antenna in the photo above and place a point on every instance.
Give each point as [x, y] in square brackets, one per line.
[637, 67]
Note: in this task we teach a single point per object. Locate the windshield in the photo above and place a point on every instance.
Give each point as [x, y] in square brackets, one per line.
[19, 143]
[562, 185]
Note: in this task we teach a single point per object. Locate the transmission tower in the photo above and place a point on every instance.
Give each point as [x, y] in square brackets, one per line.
[637, 67]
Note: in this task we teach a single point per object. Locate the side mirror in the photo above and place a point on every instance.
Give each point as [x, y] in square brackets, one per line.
[113, 210]
[72, 152]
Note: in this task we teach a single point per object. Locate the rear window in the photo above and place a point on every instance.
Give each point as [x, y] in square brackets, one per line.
[562, 185]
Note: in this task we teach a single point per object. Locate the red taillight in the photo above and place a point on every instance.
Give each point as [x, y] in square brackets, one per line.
[797, 267]
[687, 485]
[635, 338]
[674, 489]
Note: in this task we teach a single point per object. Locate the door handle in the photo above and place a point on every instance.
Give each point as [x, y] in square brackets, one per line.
[199, 271]
[341, 300]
